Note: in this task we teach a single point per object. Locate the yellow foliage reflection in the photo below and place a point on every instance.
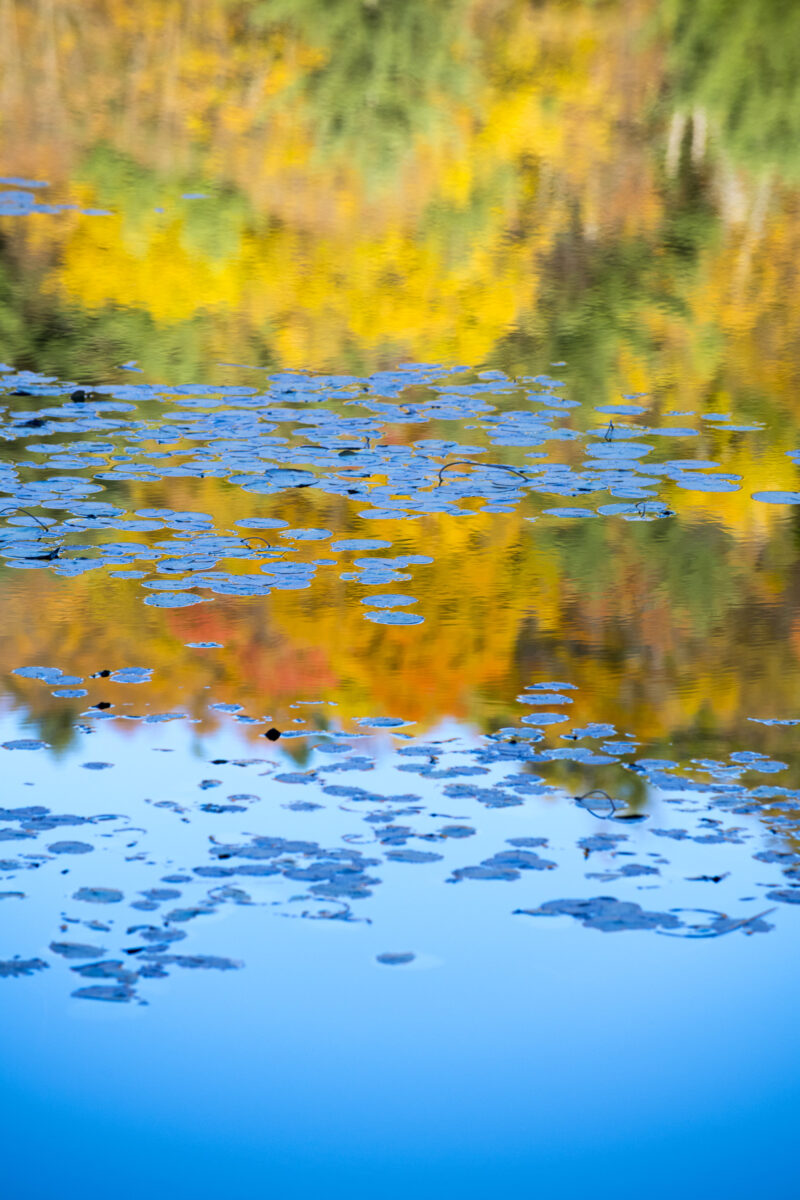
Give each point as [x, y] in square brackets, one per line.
[318, 185]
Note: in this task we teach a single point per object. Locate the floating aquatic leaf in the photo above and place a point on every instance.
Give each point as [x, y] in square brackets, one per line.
[117, 993]
[306, 535]
[394, 618]
[627, 871]
[785, 895]
[569, 512]
[130, 674]
[706, 483]
[543, 718]
[413, 856]
[604, 913]
[76, 950]
[98, 895]
[173, 600]
[360, 544]
[51, 675]
[777, 497]
[628, 410]
[15, 967]
[389, 600]
[383, 722]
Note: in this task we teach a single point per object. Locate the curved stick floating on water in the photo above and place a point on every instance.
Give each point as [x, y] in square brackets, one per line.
[492, 466]
[615, 804]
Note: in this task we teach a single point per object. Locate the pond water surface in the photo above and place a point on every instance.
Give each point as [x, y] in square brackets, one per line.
[400, 664]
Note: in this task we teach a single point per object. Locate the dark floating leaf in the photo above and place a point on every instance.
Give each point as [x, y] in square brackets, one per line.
[199, 962]
[76, 950]
[627, 871]
[98, 895]
[722, 924]
[13, 968]
[110, 969]
[116, 993]
[413, 856]
[604, 913]
[505, 866]
[785, 895]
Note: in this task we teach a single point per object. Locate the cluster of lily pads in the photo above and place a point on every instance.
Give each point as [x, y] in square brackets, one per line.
[69, 444]
[116, 941]
[344, 436]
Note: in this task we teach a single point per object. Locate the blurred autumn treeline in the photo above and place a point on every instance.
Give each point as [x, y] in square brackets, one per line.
[470, 181]
[338, 184]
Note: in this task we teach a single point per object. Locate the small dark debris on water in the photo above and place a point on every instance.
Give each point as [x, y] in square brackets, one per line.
[273, 734]
[395, 960]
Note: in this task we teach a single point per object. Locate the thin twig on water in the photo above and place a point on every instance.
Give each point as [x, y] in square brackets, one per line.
[708, 932]
[33, 516]
[491, 466]
[246, 542]
[615, 804]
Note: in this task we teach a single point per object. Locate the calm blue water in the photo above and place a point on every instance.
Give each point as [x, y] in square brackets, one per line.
[515, 1054]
